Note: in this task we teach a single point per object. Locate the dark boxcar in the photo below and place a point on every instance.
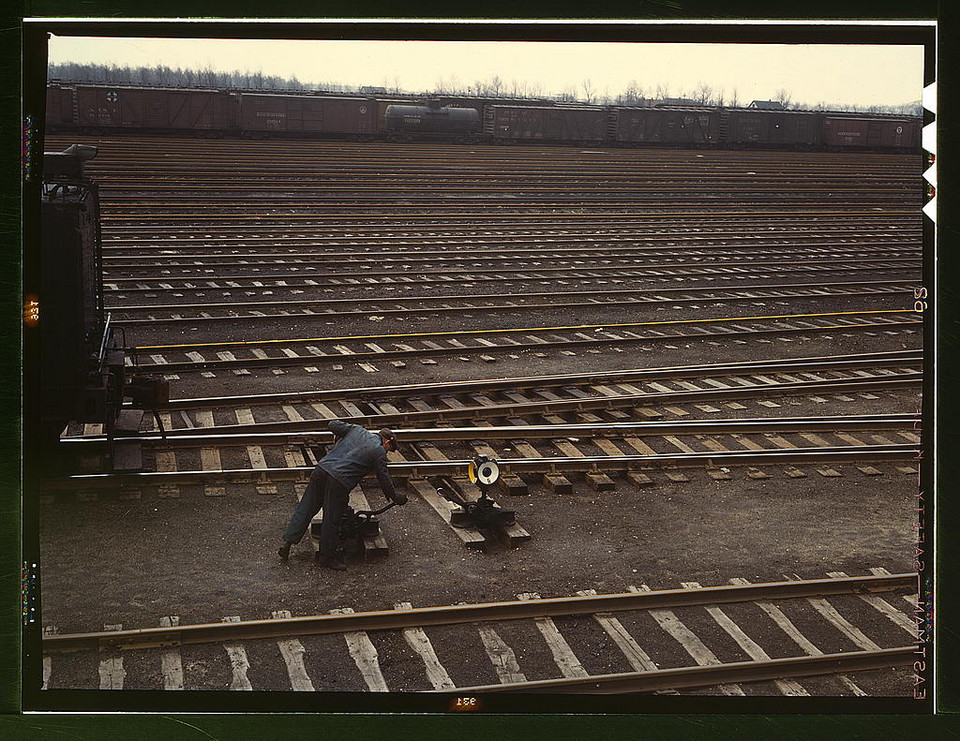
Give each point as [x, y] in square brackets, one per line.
[850, 132]
[679, 127]
[541, 123]
[154, 109]
[746, 127]
[414, 120]
[263, 113]
[59, 106]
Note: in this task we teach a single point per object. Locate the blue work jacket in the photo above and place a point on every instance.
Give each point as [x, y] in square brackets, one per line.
[357, 453]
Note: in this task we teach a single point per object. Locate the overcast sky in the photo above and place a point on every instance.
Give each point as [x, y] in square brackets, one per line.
[811, 74]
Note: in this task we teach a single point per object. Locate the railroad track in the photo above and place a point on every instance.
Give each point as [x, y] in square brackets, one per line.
[398, 349]
[901, 293]
[794, 637]
[444, 401]
[551, 452]
[300, 278]
[333, 178]
[607, 393]
[559, 232]
[205, 219]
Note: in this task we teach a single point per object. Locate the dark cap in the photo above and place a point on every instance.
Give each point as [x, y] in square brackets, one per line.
[388, 434]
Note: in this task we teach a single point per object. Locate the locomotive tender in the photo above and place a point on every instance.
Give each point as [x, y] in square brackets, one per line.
[103, 108]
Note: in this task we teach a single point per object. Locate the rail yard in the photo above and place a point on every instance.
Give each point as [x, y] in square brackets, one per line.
[698, 370]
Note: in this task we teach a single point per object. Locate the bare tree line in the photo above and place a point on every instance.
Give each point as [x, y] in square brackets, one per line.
[635, 93]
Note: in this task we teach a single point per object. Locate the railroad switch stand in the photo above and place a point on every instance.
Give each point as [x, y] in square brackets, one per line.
[483, 512]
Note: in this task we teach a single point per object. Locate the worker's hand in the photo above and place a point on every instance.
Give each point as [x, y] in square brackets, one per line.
[399, 497]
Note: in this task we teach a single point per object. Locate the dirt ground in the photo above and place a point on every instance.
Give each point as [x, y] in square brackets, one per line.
[133, 561]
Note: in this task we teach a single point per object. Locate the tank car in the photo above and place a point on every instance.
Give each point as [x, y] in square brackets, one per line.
[405, 122]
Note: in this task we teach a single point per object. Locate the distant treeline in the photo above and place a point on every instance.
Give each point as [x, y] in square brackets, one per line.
[494, 87]
[164, 76]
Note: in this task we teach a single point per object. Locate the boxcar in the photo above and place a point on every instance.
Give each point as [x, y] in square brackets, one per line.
[268, 113]
[777, 129]
[153, 109]
[542, 123]
[848, 132]
[59, 106]
[682, 127]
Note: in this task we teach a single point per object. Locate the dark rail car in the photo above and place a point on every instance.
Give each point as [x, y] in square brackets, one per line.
[76, 365]
[575, 125]
[681, 127]
[410, 121]
[464, 118]
[847, 132]
[272, 113]
[81, 361]
[747, 127]
[153, 109]
[60, 107]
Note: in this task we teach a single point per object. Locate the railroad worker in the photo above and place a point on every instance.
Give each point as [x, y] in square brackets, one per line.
[356, 453]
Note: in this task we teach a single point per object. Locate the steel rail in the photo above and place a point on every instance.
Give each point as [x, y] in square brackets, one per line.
[457, 614]
[841, 223]
[777, 267]
[116, 283]
[520, 238]
[705, 676]
[249, 311]
[638, 245]
[214, 248]
[786, 365]
[241, 434]
[427, 245]
[424, 469]
[646, 296]
[625, 191]
[115, 263]
[352, 179]
[565, 342]
[311, 280]
[562, 406]
[869, 314]
[201, 210]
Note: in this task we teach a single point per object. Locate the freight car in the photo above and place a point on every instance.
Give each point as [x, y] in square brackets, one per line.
[102, 107]
[405, 122]
[60, 107]
[678, 127]
[755, 127]
[847, 132]
[262, 114]
[98, 108]
[573, 125]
